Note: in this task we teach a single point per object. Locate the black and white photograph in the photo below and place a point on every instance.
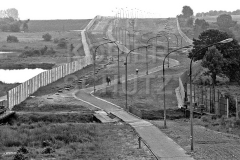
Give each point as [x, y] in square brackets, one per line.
[119, 80]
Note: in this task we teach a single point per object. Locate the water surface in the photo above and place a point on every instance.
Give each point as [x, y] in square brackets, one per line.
[18, 76]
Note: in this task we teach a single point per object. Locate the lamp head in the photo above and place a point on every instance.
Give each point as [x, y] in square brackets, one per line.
[226, 40]
[105, 38]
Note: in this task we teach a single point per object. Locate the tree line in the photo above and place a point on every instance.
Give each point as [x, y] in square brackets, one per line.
[10, 22]
[217, 13]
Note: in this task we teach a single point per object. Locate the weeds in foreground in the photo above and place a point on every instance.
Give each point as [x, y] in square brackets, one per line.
[34, 134]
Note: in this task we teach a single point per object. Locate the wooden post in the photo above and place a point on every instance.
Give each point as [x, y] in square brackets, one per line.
[227, 108]
[194, 93]
[7, 105]
[237, 117]
[139, 142]
[218, 106]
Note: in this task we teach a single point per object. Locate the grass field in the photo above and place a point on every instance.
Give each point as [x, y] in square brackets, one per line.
[214, 18]
[71, 141]
[34, 41]
[57, 25]
[147, 95]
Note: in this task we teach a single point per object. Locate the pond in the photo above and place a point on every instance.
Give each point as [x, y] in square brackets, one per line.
[3, 52]
[18, 76]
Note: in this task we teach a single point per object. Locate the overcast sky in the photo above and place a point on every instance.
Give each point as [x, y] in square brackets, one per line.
[87, 9]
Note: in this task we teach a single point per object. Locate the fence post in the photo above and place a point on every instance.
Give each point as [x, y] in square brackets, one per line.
[7, 105]
[194, 93]
[237, 117]
[139, 142]
[219, 103]
[227, 108]
[210, 97]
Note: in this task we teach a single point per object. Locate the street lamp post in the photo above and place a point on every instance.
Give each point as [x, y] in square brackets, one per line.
[164, 32]
[156, 46]
[144, 34]
[164, 101]
[129, 33]
[126, 72]
[169, 38]
[94, 64]
[190, 79]
[110, 41]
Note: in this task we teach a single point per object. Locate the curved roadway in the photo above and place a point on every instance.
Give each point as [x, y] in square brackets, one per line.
[162, 146]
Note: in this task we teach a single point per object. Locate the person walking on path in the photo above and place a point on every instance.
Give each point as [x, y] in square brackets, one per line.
[108, 79]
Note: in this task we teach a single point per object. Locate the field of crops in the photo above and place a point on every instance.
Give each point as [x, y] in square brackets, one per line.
[57, 25]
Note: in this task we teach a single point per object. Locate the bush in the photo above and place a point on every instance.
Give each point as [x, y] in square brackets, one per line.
[12, 39]
[15, 27]
[62, 43]
[55, 40]
[5, 27]
[47, 37]
[38, 52]
[189, 22]
[206, 118]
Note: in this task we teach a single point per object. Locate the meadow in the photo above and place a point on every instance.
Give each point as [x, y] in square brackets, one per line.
[57, 25]
[214, 18]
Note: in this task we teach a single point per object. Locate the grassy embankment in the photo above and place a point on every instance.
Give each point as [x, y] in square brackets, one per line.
[148, 98]
[33, 40]
[73, 138]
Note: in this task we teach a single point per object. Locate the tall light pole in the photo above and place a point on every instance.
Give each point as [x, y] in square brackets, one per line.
[110, 41]
[170, 33]
[169, 38]
[94, 64]
[164, 99]
[129, 33]
[190, 79]
[160, 35]
[126, 72]
[144, 35]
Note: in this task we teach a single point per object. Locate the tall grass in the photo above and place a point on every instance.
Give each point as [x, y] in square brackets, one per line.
[58, 135]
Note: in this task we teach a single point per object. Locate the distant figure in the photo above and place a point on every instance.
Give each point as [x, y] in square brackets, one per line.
[108, 80]
[136, 71]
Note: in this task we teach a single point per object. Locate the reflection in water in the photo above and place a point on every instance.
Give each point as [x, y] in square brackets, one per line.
[18, 76]
[5, 52]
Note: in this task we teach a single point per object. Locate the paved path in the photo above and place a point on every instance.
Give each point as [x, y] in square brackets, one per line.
[161, 145]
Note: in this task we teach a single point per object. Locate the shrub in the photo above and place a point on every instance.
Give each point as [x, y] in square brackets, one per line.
[206, 118]
[189, 22]
[5, 27]
[62, 43]
[47, 37]
[50, 51]
[237, 123]
[55, 40]
[12, 39]
[15, 27]
[38, 52]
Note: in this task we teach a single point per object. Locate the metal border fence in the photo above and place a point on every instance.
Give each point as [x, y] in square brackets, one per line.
[24, 90]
